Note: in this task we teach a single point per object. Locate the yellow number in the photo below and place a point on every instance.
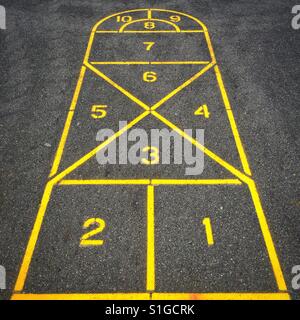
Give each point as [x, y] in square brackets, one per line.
[85, 239]
[154, 154]
[149, 76]
[202, 111]
[149, 25]
[98, 111]
[175, 18]
[148, 45]
[208, 229]
[124, 18]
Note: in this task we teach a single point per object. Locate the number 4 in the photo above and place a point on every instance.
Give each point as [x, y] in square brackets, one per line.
[202, 111]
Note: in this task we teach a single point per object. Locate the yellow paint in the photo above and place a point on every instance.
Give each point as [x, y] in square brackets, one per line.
[150, 31]
[150, 278]
[179, 62]
[81, 296]
[98, 111]
[146, 62]
[195, 182]
[65, 133]
[85, 239]
[155, 296]
[176, 28]
[33, 238]
[220, 296]
[125, 92]
[175, 18]
[93, 152]
[149, 25]
[208, 229]
[105, 182]
[202, 111]
[107, 31]
[209, 153]
[234, 129]
[149, 45]
[267, 237]
[124, 18]
[150, 281]
[185, 84]
[149, 76]
[154, 154]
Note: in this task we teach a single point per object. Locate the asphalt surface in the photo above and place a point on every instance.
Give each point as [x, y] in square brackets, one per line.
[41, 55]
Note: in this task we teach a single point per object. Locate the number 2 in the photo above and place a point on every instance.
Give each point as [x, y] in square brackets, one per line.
[85, 239]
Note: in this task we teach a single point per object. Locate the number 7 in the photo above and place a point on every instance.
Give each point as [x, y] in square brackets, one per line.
[148, 45]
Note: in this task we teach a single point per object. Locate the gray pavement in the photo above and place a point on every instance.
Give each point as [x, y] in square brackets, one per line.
[41, 56]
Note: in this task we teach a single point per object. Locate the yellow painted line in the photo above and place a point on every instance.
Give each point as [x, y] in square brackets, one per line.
[93, 152]
[125, 25]
[66, 129]
[105, 182]
[111, 82]
[203, 26]
[114, 15]
[118, 62]
[150, 240]
[267, 237]
[155, 296]
[206, 151]
[81, 296]
[220, 296]
[146, 62]
[148, 31]
[185, 84]
[210, 47]
[183, 14]
[232, 122]
[33, 238]
[179, 62]
[192, 31]
[107, 31]
[195, 182]
[149, 14]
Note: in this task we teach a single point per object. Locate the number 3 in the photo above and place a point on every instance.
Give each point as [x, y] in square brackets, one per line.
[154, 154]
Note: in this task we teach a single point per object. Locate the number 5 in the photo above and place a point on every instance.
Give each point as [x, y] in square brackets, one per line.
[98, 111]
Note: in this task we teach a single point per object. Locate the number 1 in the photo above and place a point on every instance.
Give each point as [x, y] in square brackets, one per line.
[208, 229]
